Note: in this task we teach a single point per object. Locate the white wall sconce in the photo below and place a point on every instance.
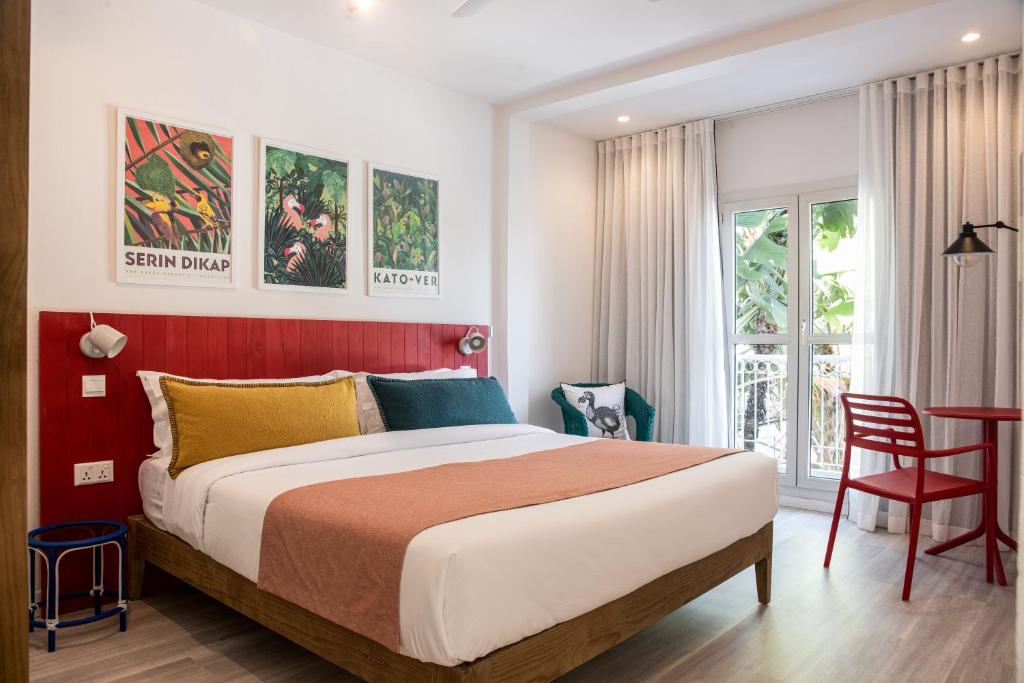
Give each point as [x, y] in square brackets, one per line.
[101, 341]
[473, 342]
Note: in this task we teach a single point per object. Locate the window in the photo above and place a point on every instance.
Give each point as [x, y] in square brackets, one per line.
[791, 288]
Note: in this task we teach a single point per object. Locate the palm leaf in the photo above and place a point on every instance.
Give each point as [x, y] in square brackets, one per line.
[319, 269]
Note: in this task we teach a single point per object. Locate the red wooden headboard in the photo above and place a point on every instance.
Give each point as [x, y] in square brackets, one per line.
[118, 426]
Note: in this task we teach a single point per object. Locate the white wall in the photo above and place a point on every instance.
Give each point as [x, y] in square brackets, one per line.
[186, 60]
[511, 229]
[789, 147]
[560, 281]
[545, 202]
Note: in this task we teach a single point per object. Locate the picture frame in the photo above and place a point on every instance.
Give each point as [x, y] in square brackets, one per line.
[403, 261]
[175, 202]
[297, 251]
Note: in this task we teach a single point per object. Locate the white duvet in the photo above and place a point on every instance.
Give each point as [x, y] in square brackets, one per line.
[477, 584]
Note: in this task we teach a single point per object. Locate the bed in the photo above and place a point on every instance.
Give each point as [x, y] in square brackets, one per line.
[521, 594]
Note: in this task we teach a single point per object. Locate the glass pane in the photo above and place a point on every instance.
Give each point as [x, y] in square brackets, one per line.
[762, 293]
[830, 376]
[833, 225]
[761, 400]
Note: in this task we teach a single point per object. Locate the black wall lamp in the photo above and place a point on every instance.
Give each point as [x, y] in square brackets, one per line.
[968, 249]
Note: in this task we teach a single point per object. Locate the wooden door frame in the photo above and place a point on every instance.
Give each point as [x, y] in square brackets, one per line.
[14, 82]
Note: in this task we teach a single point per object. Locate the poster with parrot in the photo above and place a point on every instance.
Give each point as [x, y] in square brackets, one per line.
[303, 215]
[175, 200]
[404, 242]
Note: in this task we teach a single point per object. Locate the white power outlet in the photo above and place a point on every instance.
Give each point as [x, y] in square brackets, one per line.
[94, 472]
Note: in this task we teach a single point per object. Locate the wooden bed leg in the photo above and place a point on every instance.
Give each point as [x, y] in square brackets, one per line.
[136, 568]
[763, 573]
[763, 567]
[136, 573]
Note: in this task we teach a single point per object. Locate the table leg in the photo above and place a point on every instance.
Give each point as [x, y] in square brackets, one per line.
[991, 435]
[961, 539]
[52, 600]
[991, 431]
[123, 558]
[31, 590]
[97, 579]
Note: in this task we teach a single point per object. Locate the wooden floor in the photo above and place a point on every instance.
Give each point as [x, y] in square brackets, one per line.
[847, 624]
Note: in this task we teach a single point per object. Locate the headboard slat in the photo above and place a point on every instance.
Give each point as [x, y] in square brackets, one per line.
[117, 427]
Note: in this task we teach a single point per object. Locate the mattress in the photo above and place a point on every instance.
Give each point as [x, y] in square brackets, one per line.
[474, 585]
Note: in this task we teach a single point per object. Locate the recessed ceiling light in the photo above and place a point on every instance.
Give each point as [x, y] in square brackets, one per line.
[354, 6]
[970, 37]
[623, 119]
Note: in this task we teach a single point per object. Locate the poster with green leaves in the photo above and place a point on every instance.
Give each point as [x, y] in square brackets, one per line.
[303, 219]
[404, 243]
[174, 198]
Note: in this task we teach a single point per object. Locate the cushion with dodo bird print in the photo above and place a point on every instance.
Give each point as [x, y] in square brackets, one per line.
[604, 408]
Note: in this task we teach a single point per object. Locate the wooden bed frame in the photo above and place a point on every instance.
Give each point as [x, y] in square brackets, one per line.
[541, 657]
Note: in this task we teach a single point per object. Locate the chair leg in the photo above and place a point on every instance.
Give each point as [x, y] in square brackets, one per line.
[835, 523]
[915, 530]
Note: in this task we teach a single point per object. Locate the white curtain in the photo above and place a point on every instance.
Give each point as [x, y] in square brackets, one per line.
[939, 149]
[658, 307]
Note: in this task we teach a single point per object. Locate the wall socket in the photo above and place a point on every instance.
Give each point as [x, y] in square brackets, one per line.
[98, 472]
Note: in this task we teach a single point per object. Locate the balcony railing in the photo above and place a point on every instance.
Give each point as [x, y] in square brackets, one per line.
[760, 408]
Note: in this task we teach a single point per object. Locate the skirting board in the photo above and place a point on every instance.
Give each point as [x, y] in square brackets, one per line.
[881, 520]
[811, 504]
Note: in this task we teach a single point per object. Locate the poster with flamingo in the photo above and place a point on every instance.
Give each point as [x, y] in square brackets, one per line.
[404, 242]
[174, 194]
[303, 216]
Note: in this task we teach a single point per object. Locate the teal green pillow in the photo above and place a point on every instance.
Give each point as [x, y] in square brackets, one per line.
[427, 403]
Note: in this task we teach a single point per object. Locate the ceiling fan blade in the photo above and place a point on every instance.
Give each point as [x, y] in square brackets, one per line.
[468, 8]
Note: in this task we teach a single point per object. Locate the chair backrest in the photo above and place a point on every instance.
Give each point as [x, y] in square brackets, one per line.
[886, 424]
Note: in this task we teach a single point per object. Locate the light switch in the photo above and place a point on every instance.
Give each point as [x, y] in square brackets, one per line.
[94, 386]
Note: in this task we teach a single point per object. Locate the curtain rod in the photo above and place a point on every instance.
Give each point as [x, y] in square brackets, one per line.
[810, 99]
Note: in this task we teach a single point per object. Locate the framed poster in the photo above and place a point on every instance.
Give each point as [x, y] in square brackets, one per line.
[404, 242]
[174, 203]
[303, 219]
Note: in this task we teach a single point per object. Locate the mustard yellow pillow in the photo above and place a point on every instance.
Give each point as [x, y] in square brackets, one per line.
[210, 420]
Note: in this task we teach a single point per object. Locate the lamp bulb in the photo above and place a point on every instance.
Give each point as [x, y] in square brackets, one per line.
[967, 260]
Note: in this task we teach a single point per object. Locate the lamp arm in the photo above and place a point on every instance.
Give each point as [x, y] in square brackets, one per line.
[997, 224]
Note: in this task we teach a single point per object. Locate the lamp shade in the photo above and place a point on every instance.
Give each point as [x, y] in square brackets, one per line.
[473, 342]
[967, 249]
[102, 341]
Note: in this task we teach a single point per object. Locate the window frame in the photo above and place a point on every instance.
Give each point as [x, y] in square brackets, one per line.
[799, 338]
[788, 339]
[808, 338]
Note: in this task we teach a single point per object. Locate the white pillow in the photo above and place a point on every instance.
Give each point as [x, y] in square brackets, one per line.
[161, 421]
[604, 408]
[370, 421]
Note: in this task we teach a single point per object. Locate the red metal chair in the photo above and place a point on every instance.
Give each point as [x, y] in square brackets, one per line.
[889, 424]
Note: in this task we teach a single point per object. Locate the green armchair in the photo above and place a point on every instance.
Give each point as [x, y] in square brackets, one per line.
[636, 407]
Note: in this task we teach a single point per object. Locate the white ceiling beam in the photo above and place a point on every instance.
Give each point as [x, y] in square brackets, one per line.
[697, 63]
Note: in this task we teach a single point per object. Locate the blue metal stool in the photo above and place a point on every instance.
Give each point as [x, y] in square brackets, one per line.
[55, 541]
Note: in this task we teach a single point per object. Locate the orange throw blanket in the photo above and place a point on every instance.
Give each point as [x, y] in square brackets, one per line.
[337, 548]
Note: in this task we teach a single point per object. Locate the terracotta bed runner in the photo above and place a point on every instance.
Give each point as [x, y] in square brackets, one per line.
[337, 548]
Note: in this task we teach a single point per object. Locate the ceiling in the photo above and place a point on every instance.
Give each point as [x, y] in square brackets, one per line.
[921, 39]
[512, 47]
[579, 64]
